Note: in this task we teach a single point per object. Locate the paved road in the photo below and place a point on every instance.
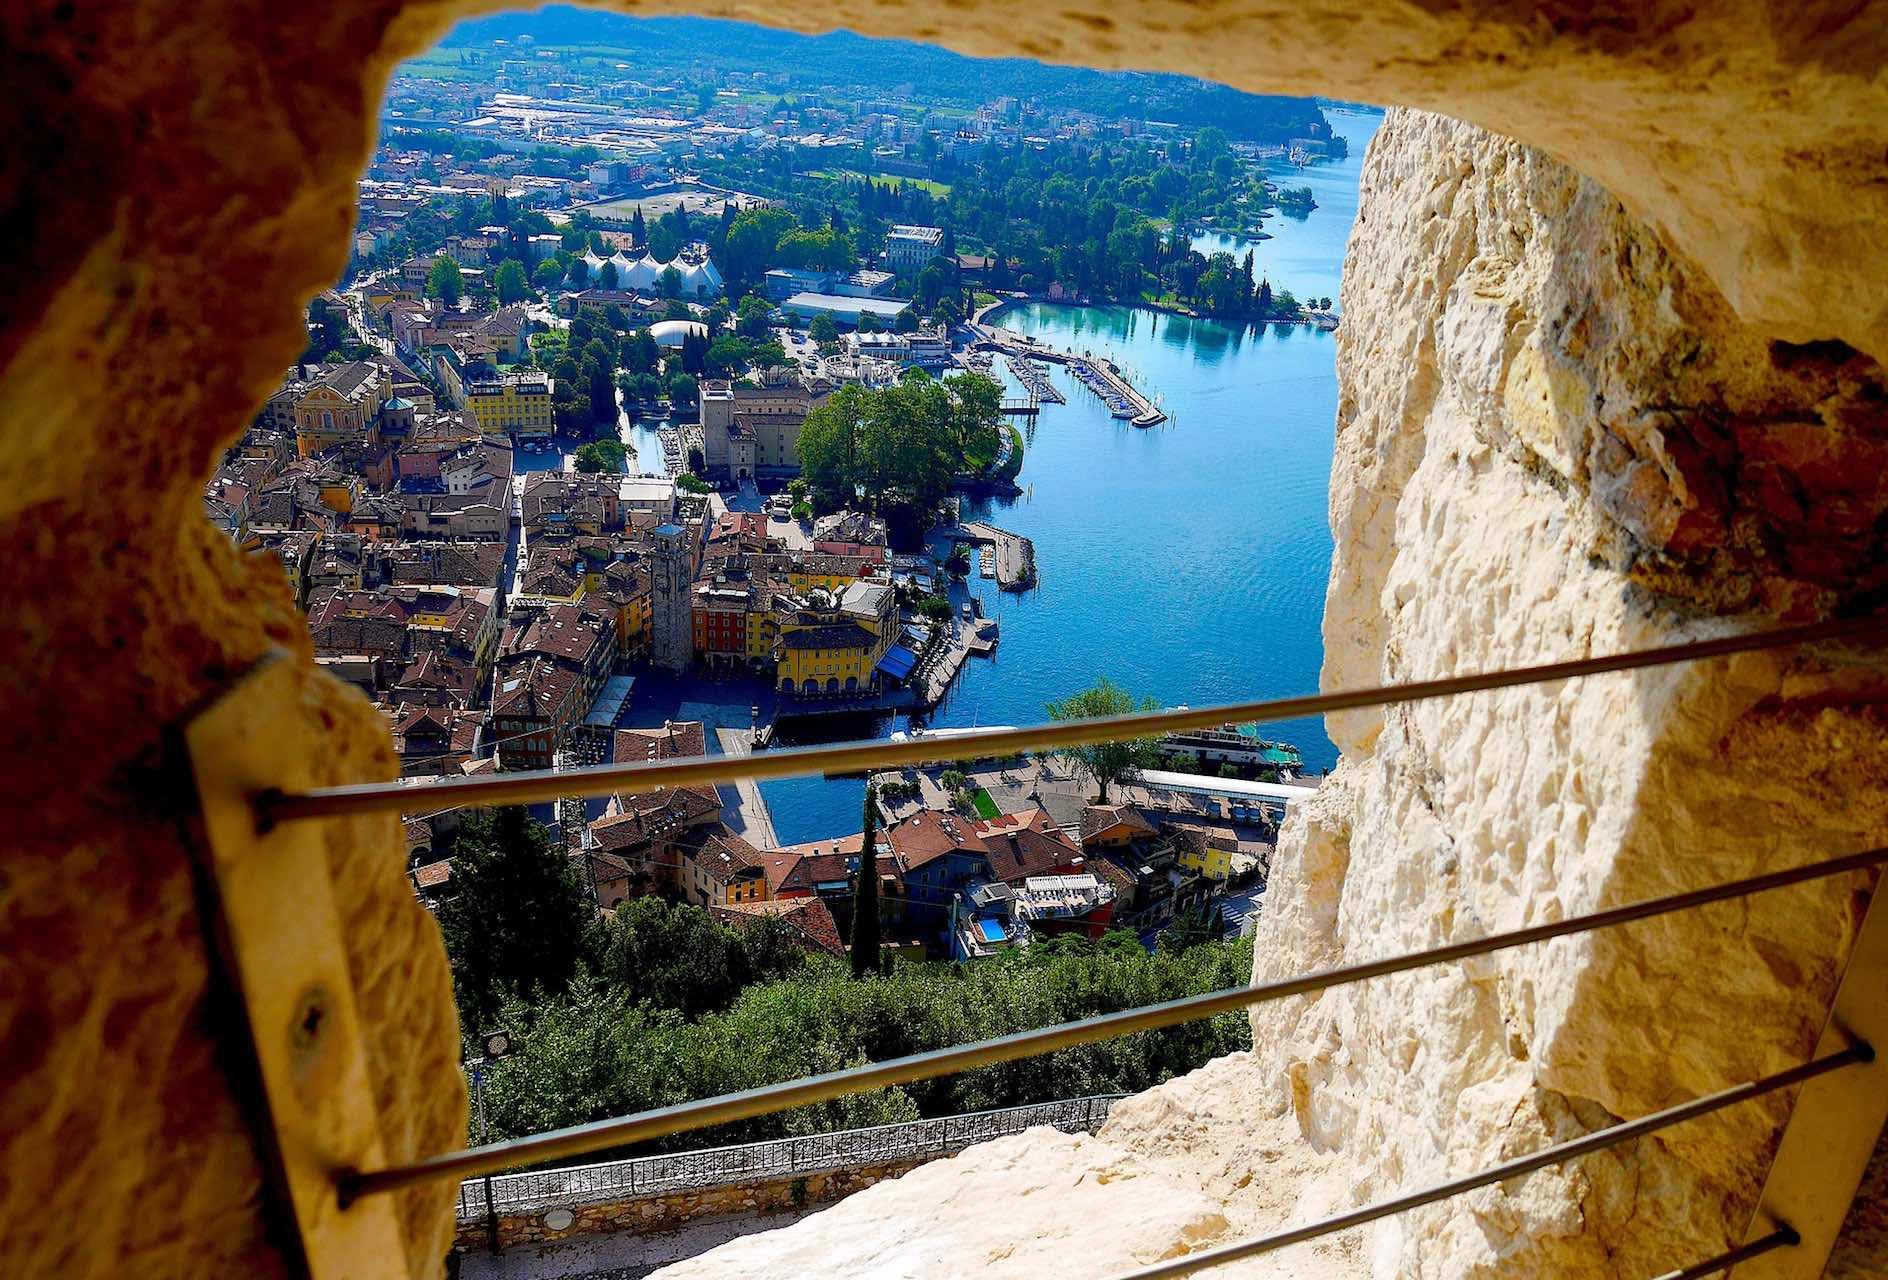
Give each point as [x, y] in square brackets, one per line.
[746, 811]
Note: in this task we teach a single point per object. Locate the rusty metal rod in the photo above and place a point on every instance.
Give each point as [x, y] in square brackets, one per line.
[1612, 1136]
[1781, 1238]
[540, 785]
[699, 1114]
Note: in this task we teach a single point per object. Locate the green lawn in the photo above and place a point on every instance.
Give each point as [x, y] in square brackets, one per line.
[935, 187]
[985, 806]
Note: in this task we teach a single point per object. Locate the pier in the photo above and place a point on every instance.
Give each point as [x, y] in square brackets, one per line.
[1035, 381]
[1012, 557]
[1098, 373]
[748, 815]
[1106, 380]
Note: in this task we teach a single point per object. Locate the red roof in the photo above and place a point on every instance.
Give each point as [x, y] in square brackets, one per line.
[808, 917]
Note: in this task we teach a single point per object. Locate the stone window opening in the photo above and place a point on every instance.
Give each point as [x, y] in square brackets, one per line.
[1651, 130]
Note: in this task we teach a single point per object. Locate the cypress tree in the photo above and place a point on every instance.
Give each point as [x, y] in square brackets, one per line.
[865, 896]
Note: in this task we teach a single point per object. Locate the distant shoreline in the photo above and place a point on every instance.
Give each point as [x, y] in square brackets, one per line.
[988, 316]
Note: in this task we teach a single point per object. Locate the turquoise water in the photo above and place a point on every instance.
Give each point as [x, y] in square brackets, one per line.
[1187, 562]
[1305, 254]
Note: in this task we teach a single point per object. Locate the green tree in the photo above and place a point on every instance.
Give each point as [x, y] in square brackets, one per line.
[1106, 763]
[445, 281]
[601, 457]
[578, 276]
[865, 923]
[752, 317]
[606, 276]
[603, 1050]
[675, 956]
[514, 925]
[1193, 927]
[510, 282]
[602, 389]
[823, 331]
[640, 352]
[752, 239]
[684, 392]
[548, 274]
[669, 283]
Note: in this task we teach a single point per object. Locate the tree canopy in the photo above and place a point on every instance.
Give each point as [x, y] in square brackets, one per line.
[510, 282]
[899, 446]
[445, 281]
[1106, 763]
[515, 923]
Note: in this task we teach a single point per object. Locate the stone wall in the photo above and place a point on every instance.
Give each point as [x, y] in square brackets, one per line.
[181, 181]
[673, 1209]
[1555, 438]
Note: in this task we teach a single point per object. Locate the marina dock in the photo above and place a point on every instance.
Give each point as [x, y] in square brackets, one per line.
[748, 815]
[1035, 381]
[1012, 557]
[1099, 374]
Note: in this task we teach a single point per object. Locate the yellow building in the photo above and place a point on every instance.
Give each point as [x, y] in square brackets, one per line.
[512, 404]
[627, 587]
[1207, 853]
[835, 647]
[763, 633]
[341, 407]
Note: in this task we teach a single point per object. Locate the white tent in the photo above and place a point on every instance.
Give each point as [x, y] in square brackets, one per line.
[644, 274]
[701, 280]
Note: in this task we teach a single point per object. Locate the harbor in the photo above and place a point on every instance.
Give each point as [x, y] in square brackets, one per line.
[1035, 381]
[1098, 373]
[1007, 557]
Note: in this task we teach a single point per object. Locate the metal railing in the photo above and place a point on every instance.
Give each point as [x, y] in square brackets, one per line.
[540, 785]
[686, 1116]
[279, 813]
[778, 1158]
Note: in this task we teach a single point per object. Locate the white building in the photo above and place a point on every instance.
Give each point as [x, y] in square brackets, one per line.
[909, 248]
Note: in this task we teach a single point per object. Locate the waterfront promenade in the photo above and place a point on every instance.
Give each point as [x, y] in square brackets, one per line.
[748, 815]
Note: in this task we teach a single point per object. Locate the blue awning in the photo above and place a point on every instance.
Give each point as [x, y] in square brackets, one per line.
[898, 662]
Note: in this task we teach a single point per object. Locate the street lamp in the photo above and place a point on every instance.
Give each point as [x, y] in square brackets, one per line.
[495, 1044]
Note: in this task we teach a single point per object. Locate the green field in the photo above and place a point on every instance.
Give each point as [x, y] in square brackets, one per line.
[986, 807]
[939, 189]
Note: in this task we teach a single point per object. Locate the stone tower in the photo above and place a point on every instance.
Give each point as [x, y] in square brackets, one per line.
[669, 635]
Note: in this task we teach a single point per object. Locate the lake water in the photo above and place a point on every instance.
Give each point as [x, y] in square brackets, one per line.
[1305, 254]
[1185, 562]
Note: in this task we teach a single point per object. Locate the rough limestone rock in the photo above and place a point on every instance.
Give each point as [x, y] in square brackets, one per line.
[181, 180]
[1554, 439]
[1178, 1169]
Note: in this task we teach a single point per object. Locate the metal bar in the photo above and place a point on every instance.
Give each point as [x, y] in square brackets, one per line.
[1612, 1136]
[1023, 1044]
[535, 786]
[1781, 1238]
[1835, 1124]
